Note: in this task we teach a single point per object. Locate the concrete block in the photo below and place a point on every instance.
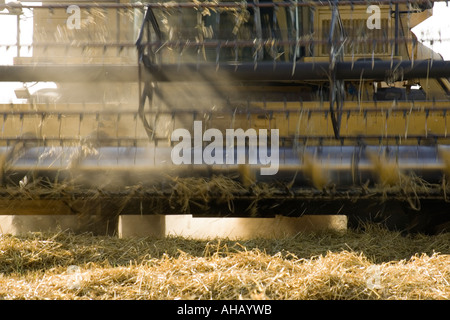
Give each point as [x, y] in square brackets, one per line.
[247, 228]
[22, 224]
[141, 226]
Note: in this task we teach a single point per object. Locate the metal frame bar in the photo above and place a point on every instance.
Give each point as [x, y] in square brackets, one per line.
[263, 71]
[87, 5]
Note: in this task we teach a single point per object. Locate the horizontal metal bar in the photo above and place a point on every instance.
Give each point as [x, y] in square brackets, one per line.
[287, 71]
[231, 43]
[69, 73]
[225, 72]
[211, 4]
[309, 139]
[126, 166]
[226, 43]
[422, 107]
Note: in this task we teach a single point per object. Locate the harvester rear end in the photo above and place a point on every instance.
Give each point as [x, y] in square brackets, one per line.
[250, 109]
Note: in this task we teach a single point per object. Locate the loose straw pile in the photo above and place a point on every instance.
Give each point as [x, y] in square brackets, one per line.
[375, 264]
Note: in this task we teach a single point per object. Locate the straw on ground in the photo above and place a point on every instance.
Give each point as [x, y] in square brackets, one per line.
[375, 264]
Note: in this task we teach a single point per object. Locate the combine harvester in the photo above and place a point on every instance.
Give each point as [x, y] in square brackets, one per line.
[236, 109]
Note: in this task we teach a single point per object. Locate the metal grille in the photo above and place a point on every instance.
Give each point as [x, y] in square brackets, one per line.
[359, 40]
